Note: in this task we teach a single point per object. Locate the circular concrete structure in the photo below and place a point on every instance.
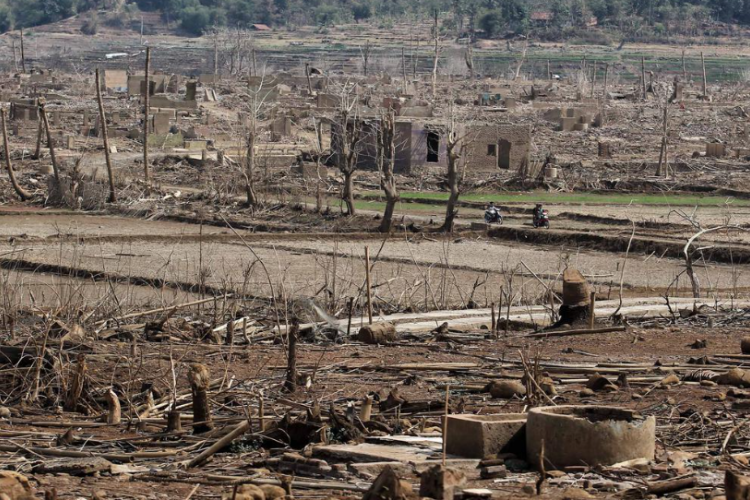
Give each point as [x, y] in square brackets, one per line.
[588, 435]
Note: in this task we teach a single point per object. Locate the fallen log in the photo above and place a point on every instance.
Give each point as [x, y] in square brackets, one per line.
[570, 333]
[238, 431]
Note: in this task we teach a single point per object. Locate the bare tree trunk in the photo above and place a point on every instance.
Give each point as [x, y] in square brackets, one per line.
[470, 62]
[291, 370]
[663, 169]
[252, 199]
[50, 144]
[705, 81]
[643, 76]
[23, 54]
[387, 157]
[436, 34]
[105, 138]
[21, 192]
[199, 382]
[453, 181]
[366, 56]
[347, 194]
[39, 133]
[146, 113]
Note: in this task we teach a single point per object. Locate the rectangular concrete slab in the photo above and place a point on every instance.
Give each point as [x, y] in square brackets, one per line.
[484, 436]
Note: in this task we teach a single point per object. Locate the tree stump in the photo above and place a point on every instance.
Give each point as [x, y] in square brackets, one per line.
[199, 382]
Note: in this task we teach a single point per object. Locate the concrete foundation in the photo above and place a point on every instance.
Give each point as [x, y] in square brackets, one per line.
[588, 435]
[484, 436]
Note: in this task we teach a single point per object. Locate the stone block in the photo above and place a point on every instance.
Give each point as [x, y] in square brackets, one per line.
[484, 436]
[716, 150]
[567, 124]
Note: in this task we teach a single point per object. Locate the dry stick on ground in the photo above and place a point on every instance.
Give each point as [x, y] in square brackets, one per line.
[146, 113]
[238, 431]
[21, 192]
[105, 138]
[50, 145]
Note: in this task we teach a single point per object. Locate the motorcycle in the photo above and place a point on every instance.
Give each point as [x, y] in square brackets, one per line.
[493, 216]
[542, 220]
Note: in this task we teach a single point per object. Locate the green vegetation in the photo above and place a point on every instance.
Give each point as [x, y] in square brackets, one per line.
[548, 19]
[584, 198]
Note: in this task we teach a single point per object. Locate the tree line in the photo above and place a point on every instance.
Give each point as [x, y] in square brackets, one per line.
[473, 18]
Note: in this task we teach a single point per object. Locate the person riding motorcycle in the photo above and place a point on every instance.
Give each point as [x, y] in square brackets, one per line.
[492, 213]
[538, 211]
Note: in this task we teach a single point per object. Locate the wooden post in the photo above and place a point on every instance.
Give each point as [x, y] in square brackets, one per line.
[141, 39]
[230, 333]
[113, 408]
[291, 368]
[351, 311]
[216, 54]
[146, 113]
[261, 413]
[583, 64]
[255, 63]
[369, 291]
[200, 380]
[50, 145]
[309, 80]
[174, 422]
[549, 71]
[445, 422]
[643, 76]
[500, 312]
[39, 133]
[15, 60]
[705, 82]
[494, 320]
[606, 80]
[105, 138]
[23, 54]
[366, 410]
[592, 310]
[593, 80]
[21, 192]
[684, 68]
[403, 65]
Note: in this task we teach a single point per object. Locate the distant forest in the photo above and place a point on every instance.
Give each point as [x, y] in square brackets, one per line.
[463, 18]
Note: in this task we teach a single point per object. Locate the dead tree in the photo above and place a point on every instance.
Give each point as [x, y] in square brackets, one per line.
[455, 146]
[438, 49]
[105, 139]
[347, 141]
[21, 192]
[386, 162]
[252, 198]
[469, 57]
[663, 168]
[365, 51]
[146, 113]
[50, 144]
[23, 54]
[199, 383]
